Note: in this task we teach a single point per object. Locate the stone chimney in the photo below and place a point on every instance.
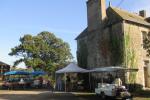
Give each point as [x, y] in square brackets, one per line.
[96, 12]
[142, 13]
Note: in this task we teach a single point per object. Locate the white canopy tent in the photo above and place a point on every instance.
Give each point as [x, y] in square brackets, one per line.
[74, 68]
[71, 68]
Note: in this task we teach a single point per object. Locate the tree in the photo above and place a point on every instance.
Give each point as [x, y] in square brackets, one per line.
[44, 51]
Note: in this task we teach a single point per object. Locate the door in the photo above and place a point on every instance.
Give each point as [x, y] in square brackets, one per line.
[146, 76]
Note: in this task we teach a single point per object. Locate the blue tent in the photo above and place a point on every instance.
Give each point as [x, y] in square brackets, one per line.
[17, 73]
[35, 73]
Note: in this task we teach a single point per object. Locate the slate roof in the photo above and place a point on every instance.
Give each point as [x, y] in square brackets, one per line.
[130, 16]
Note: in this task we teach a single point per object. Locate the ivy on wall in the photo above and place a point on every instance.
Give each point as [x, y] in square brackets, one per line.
[116, 50]
[130, 59]
[124, 54]
[82, 54]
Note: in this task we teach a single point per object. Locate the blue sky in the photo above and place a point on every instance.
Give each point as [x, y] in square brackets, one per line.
[65, 18]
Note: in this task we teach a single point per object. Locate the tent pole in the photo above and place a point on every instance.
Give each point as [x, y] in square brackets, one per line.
[65, 82]
[102, 78]
[90, 80]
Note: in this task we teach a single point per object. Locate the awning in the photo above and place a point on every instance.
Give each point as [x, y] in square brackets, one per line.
[17, 73]
[113, 69]
[36, 73]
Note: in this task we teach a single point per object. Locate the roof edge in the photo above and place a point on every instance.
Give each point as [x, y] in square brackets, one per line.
[81, 34]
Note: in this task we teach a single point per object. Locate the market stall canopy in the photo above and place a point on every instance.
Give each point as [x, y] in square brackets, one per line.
[113, 69]
[72, 68]
[17, 73]
[36, 73]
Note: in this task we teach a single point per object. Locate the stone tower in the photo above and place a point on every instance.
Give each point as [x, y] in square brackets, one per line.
[96, 12]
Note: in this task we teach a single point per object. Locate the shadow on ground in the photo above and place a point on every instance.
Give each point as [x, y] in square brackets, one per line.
[143, 94]
[47, 96]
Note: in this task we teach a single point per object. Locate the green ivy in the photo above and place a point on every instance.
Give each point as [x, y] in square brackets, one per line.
[130, 57]
[82, 55]
[125, 56]
[116, 50]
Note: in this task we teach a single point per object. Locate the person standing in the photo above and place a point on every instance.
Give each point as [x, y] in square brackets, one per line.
[118, 81]
[59, 84]
[67, 83]
[41, 81]
[50, 86]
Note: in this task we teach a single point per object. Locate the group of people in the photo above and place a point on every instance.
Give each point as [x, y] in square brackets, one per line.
[42, 83]
[70, 83]
[38, 82]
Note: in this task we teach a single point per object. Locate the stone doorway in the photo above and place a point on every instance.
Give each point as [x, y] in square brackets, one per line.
[146, 73]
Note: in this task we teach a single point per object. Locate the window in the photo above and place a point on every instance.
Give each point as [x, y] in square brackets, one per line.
[148, 35]
[144, 35]
[146, 62]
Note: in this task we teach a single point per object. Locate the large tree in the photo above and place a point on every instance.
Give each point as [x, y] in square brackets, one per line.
[44, 51]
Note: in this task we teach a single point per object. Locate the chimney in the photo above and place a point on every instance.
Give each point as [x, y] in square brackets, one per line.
[142, 13]
[96, 12]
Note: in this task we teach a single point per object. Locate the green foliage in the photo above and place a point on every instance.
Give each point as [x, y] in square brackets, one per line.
[44, 51]
[130, 57]
[116, 49]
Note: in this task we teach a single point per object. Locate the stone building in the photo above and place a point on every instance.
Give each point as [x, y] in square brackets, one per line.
[114, 37]
[3, 68]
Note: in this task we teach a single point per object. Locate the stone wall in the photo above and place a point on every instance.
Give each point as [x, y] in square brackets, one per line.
[99, 46]
[136, 45]
[82, 52]
[93, 45]
[116, 44]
